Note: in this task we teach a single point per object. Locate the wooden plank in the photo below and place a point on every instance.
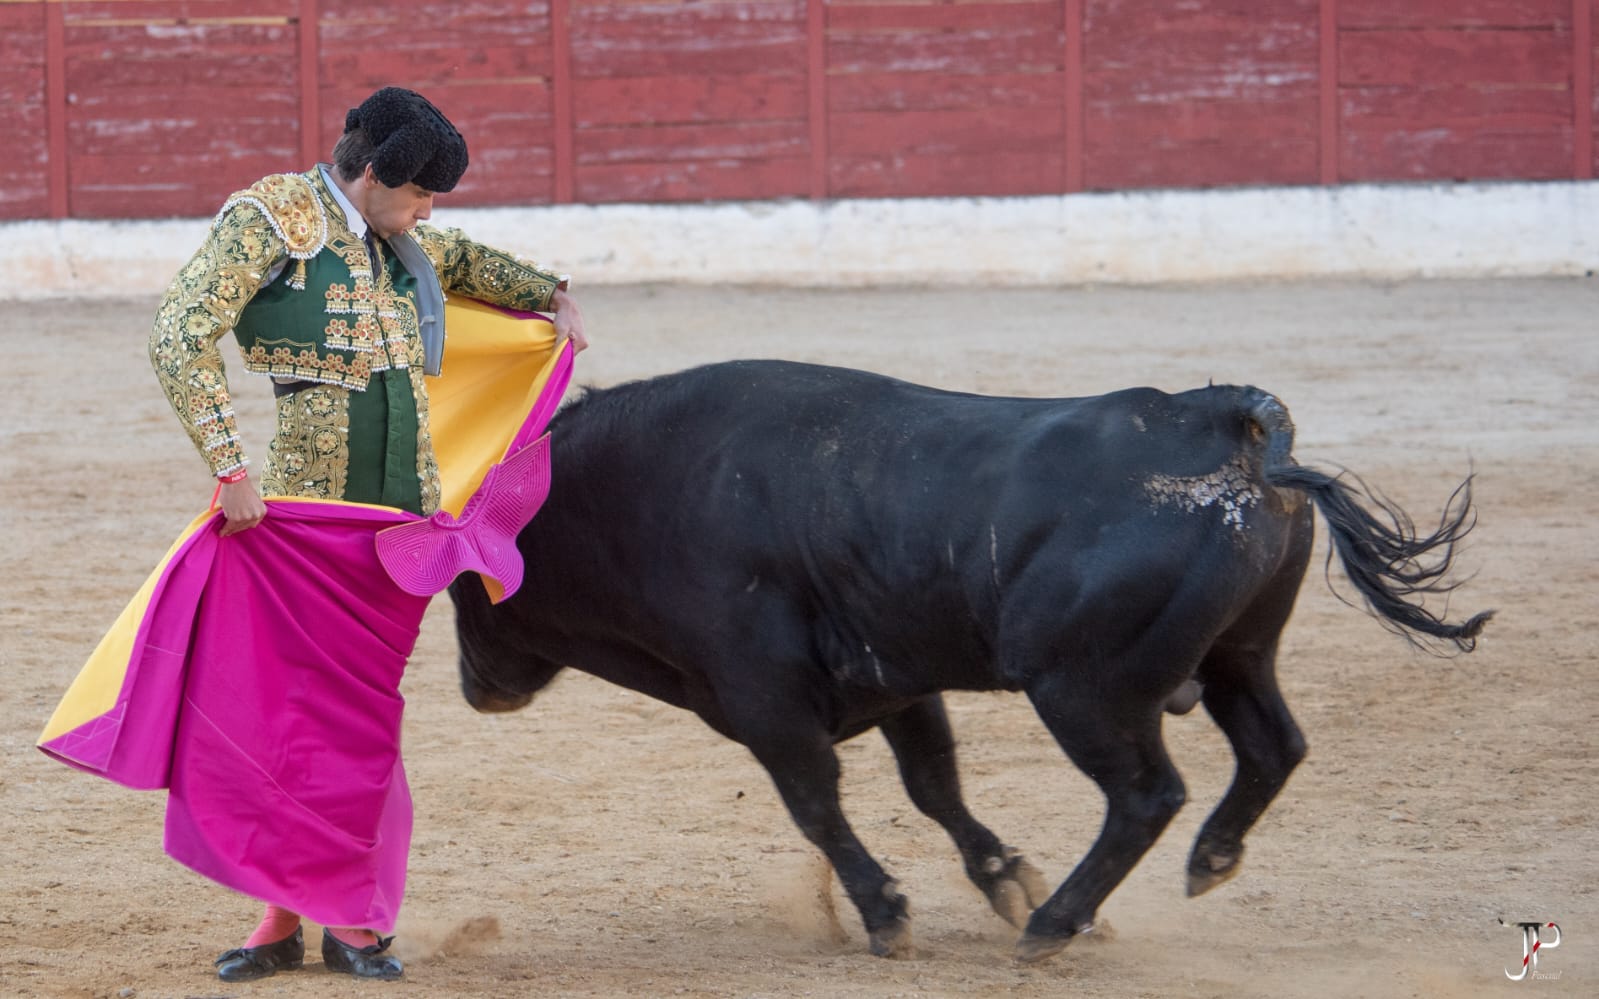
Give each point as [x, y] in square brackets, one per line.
[643, 100]
[961, 17]
[943, 132]
[308, 80]
[522, 174]
[1243, 17]
[1226, 52]
[530, 33]
[695, 180]
[424, 67]
[1428, 106]
[1368, 58]
[1072, 121]
[563, 101]
[658, 40]
[428, 16]
[816, 94]
[186, 56]
[1368, 14]
[24, 118]
[1221, 92]
[129, 126]
[55, 89]
[149, 186]
[1200, 145]
[965, 174]
[1460, 132]
[1212, 67]
[937, 92]
[1582, 95]
[22, 39]
[674, 143]
[1378, 151]
[1200, 164]
[1592, 97]
[157, 13]
[1327, 93]
[1026, 50]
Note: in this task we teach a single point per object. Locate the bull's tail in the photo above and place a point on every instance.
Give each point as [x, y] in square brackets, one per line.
[1392, 566]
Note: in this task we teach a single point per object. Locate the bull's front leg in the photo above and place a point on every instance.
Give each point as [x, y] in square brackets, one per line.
[1119, 746]
[806, 772]
[924, 746]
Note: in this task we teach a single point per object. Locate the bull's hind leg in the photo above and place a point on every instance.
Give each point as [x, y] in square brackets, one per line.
[1241, 695]
[805, 770]
[923, 744]
[1118, 744]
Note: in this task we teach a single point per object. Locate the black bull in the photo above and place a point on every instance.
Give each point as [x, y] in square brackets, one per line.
[798, 554]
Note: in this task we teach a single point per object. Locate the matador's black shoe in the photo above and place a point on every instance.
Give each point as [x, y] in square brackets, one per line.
[243, 964]
[362, 962]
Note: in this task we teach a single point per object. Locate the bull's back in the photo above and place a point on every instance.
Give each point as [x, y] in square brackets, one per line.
[884, 516]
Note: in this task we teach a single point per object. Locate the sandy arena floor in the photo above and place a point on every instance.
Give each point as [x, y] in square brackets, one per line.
[602, 844]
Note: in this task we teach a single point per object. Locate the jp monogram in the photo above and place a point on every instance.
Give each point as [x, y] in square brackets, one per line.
[1532, 942]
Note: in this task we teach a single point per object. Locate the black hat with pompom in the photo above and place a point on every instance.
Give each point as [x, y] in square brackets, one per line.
[412, 141]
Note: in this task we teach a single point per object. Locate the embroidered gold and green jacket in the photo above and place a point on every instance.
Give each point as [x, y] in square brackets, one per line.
[283, 270]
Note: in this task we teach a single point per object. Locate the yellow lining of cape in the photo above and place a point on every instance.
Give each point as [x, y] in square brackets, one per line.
[495, 366]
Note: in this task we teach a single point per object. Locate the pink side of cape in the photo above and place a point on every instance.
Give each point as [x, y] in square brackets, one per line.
[262, 690]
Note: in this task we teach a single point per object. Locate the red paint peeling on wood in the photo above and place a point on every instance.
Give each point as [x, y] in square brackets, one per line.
[24, 171]
[647, 100]
[944, 132]
[1000, 174]
[1431, 56]
[668, 143]
[165, 107]
[694, 181]
[1367, 14]
[933, 92]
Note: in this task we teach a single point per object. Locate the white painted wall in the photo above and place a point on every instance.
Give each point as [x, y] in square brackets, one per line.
[1372, 232]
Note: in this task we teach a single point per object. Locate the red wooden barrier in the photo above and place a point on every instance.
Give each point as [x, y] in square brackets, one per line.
[141, 108]
[1221, 92]
[24, 117]
[1456, 89]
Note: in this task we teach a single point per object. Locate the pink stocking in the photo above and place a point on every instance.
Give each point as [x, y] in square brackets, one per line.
[277, 924]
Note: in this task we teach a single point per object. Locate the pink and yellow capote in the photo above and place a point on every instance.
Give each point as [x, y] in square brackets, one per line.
[256, 677]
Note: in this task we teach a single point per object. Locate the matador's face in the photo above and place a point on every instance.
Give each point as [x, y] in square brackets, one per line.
[392, 210]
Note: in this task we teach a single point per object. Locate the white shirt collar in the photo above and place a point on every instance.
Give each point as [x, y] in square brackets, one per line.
[339, 198]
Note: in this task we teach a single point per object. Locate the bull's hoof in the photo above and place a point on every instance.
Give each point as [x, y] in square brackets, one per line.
[1207, 871]
[490, 703]
[1017, 889]
[1031, 949]
[893, 940]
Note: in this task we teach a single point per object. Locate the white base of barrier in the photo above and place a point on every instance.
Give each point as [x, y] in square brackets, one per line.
[1375, 232]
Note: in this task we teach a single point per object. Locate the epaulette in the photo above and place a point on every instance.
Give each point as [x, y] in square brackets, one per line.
[292, 207]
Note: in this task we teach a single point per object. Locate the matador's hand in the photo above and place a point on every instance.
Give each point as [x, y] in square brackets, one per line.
[242, 506]
[568, 321]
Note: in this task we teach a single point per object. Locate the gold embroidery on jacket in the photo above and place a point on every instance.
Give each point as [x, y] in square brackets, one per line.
[310, 454]
[368, 327]
[202, 303]
[482, 272]
[427, 465]
[294, 210]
